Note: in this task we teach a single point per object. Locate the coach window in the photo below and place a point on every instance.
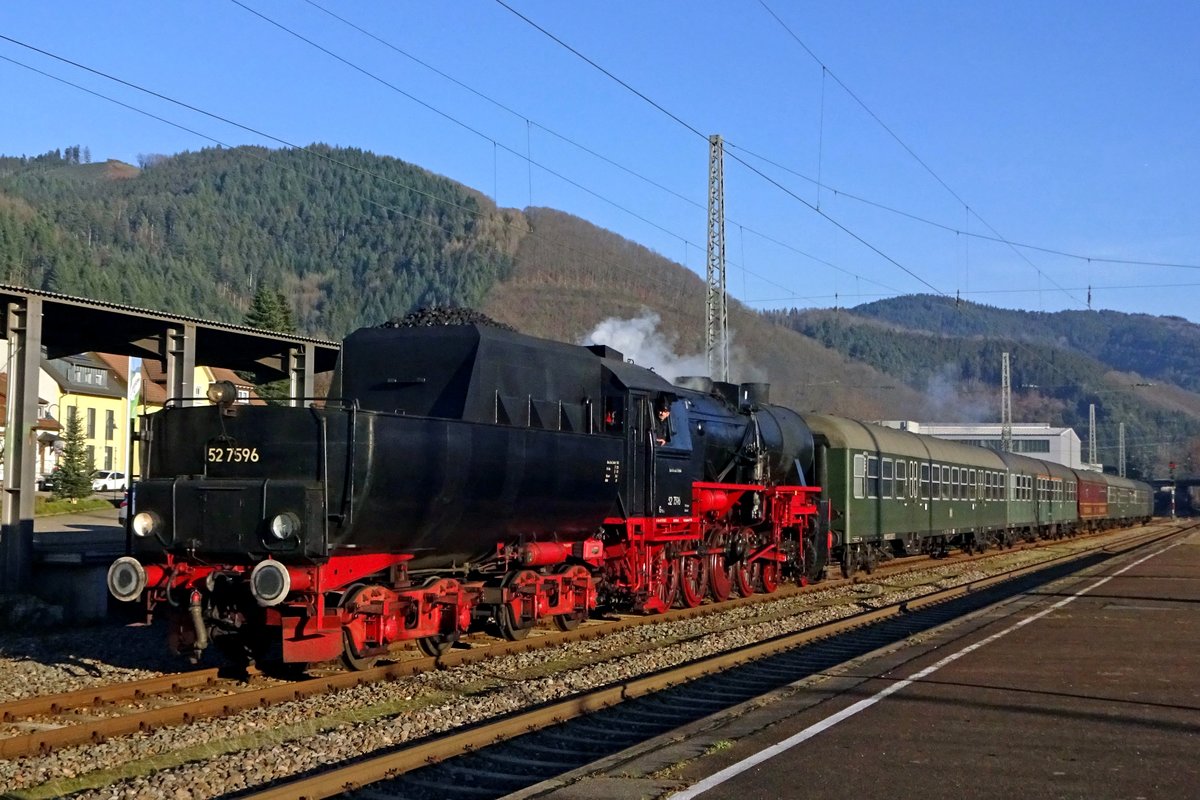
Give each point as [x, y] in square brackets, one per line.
[971, 485]
[954, 483]
[872, 476]
[901, 479]
[963, 484]
[945, 482]
[936, 486]
[924, 481]
[860, 473]
[885, 475]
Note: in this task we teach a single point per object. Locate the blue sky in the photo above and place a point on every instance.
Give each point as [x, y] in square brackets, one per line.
[1070, 126]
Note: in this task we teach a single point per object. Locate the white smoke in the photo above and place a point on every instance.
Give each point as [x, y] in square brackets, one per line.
[641, 341]
[951, 401]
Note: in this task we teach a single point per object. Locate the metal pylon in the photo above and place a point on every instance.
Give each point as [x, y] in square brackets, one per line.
[1006, 444]
[716, 317]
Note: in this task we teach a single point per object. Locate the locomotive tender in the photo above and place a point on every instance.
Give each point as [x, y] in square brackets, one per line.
[464, 476]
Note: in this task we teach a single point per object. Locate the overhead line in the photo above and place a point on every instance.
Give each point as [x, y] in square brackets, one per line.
[383, 206]
[603, 70]
[694, 130]
[295, 146]
[1093, 287]
[541, 166]
[835, 222]
[908, 149]
[950, 228]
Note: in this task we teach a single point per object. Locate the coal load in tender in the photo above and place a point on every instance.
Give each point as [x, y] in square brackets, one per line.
[433, 317]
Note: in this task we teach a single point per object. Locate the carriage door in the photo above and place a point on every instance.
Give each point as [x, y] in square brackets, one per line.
[639, 447]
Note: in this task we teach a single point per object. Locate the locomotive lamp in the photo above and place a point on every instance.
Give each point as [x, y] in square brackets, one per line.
[285, 525]
[144, 523]
[222, 394]
[270, 582]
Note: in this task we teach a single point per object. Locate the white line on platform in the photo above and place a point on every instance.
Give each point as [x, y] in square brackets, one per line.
[734, 770]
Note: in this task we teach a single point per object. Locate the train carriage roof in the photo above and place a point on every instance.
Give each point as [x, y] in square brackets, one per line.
[1036, 466]
[855, 435]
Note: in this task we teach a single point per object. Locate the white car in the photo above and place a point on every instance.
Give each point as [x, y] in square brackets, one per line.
[106, 480]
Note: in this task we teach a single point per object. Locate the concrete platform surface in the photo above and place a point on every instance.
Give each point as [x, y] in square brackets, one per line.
[1088, 688]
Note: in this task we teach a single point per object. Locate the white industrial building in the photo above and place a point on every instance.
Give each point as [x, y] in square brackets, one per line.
[1037, 440]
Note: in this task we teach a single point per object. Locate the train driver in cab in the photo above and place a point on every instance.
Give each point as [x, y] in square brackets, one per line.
[662, 420]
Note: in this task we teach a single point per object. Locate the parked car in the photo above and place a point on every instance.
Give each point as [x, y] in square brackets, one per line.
[46, 483]
[123, 509]
[106, 480]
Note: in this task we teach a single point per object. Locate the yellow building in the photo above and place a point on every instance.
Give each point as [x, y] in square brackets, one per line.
[93, 388]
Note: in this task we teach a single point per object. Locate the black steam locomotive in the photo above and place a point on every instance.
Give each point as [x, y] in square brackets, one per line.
[463, 476]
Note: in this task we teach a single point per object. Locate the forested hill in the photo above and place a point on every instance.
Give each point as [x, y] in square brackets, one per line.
[1052, 380]
[353, 238]
[1158, 348]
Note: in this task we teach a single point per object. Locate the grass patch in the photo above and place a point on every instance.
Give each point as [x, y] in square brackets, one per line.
[48, 507]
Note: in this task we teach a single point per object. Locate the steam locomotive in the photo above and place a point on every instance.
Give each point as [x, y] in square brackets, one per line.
[462, 476]
[466, 476]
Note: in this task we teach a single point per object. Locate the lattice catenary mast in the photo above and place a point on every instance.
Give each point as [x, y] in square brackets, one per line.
[716, 316]
[1091, 433]
[1121, 449]
[1006, 444]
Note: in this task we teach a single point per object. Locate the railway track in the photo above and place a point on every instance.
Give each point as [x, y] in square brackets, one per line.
[122, 707]
[520, 750]
[96, 714]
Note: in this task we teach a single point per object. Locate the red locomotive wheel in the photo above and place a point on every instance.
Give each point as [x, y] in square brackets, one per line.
[664, 577]
[693, 581]
[720, 582]
[768, 575]
[351, 656]
[579, 575]
[743, 574]
[434, 646]
[518, 616]
[744, 577]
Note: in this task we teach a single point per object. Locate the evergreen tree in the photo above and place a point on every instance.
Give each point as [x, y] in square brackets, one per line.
[75, 468]
[270, 311]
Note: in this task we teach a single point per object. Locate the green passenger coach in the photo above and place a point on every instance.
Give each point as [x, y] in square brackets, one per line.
[891, 492]
[906, 492]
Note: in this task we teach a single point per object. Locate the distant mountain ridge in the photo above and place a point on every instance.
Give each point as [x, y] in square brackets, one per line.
[1159, 348]
[1061, 364]
[353, 239]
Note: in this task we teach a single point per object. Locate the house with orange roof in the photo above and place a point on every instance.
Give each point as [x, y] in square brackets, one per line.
[94, 388]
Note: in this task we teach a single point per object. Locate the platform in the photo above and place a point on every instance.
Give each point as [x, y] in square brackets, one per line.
[1088, 688]
[71, 556]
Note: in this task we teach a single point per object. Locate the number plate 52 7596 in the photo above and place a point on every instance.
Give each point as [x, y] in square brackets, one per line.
[231, 455]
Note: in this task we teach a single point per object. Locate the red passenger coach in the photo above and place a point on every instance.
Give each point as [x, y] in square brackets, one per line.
[1093, 501]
